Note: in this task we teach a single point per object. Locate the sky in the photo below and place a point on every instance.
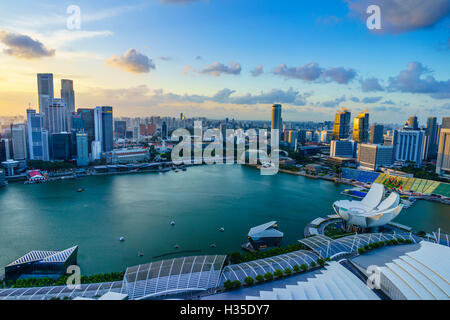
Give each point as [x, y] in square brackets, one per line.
[231, 58]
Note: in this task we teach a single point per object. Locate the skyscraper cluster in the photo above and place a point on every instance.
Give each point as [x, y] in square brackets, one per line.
[59, 131]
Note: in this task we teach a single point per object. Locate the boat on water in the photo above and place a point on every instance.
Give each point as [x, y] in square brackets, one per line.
[172, 223]
[140, 254]
[121, 239]
[176, 246]
[212, 245]
[222, 229]
[80, 190]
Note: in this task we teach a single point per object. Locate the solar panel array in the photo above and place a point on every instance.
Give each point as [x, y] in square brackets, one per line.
[326, 247]
[45, 293]
[196, 273]
[262, 266]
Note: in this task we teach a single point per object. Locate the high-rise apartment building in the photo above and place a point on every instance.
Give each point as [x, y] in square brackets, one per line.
[408, 146]
[373, 156]
[443, 154]
[376, 133]
[341, 127]
[361, 127]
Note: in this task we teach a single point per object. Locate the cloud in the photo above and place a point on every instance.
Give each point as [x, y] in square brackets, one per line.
[384, 109]
[22, 46]
[312, 72]
[144, 96]
[415, 80]
[218, 68]
[388, 102]
[371, 99]
[339, 75]
[257, 71]
[332, 103]
[131, 61]
[308, 72]
[355, 99]
[398, 16]
[371, 84]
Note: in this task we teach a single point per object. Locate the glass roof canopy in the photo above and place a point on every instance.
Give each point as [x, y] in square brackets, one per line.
[262, 266]
[329, 248]
[44, 293]
[187, 274]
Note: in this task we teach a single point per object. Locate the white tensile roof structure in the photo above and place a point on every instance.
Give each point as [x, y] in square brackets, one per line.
[423, 274]
[268, 229]
[333, 283]
[372, 211]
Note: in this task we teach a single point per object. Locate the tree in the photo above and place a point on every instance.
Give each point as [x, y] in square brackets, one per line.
[361, 250]
[296, 268]
[236, 284]
[321, 262]
[287, 271]
[249, 280]
[278, 273]
[259, 278]
[227, 284]
[304, 267]
[268, 276]
[236, 257]
[312, 264]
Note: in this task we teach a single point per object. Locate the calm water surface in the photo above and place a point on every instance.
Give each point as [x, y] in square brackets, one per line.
[54, 216]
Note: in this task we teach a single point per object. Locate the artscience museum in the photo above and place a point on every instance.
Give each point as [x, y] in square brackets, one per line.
[373, 211]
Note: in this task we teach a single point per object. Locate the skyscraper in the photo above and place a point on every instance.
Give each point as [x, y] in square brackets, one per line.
[60, 146]
[19, 141]
[431, 136]
[87, 116]
[45, 93]
[413, 123]
[120, 127]
[376, 133]
[37, 137]
[164, 131]
[372, 156]
[408, 146]
[56, 116]
[443, 155]
[277, 122]
[361, 127]
[68, 95]
[445, 123]
[103, 117]
[341, 127]
[82, 149]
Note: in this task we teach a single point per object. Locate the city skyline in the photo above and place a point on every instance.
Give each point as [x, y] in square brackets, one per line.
[161, 65]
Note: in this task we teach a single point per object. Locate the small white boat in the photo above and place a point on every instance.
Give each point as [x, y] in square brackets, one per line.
[172, 223]
[176, 246]
[222, 229]
[121, 239]
[140, 254]
[212, 245]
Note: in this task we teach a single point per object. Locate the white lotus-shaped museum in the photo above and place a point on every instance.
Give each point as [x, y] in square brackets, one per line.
[372, 211]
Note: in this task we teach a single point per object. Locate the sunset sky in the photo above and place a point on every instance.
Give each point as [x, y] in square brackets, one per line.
[232, 58]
